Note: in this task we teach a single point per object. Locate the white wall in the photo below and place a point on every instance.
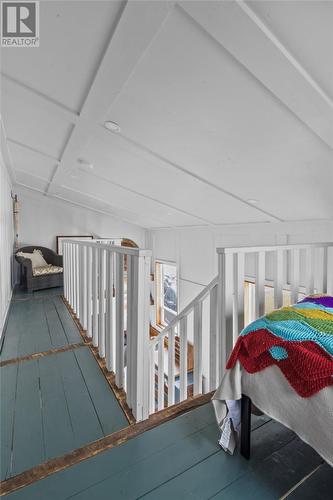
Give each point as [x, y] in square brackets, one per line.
[6, 243]
[43, 218]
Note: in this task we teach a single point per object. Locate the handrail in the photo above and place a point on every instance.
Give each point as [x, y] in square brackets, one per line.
[272, 248]
[110, 248]
[201, 296]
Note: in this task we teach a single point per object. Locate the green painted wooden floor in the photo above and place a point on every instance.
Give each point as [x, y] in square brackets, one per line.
[182, 460]
[56, 403]
[178, 460]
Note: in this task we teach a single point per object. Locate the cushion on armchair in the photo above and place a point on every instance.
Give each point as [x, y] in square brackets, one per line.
[37, 259]
[48, 269]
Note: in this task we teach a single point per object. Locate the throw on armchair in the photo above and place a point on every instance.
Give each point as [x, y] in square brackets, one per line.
[40, 267]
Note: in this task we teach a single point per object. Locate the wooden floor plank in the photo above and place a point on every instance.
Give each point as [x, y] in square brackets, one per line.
[28, 445]
[26, 331]
[38, 325]
[110, 414]
[12, 334]
[218, 470]
[271, 478]
[156, 469]
[56, 330]
[258, 421]
[70, 481]
[20, 293]
[71, 330]
[71, 414]
[36, 337]
[8, 379]
[85, 421]
[318, 486]
[36, 355]
[221, 470]
[58, 431]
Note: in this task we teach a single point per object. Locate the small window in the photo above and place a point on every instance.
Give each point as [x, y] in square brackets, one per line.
[250, 300]
[166, 292]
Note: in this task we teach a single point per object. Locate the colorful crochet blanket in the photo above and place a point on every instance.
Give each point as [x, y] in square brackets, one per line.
[298, 339]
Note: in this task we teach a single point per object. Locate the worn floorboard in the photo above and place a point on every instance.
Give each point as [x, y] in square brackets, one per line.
[85, 421]
[57, 424]
[274, 476]
[37, 324]
[56, 330]
[51, 404]
[111, 416]
[182, 460]
[318, 486]
[189, 484]
[22, 294]
[79, 477]
[28, 439]
[55, 404]
[8, 378]
[67, 322]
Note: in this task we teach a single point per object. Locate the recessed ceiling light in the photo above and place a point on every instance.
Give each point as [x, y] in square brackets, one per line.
[112, 126]
[252, 201]
[84, 163]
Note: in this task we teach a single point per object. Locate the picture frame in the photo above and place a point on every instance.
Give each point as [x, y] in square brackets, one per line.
[60, 239]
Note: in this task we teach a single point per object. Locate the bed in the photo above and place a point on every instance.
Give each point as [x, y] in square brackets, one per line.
[282, 363]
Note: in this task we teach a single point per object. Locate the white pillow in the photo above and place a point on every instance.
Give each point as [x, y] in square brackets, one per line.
[37, 259]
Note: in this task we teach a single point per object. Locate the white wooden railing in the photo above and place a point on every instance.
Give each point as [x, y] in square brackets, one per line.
[299, 269]
[108, 304]
[146, 368]
[188, 321]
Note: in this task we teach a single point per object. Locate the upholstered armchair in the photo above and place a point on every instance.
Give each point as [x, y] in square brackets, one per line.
[37, 278]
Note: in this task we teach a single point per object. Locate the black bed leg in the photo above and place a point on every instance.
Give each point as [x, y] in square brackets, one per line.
[245, 446]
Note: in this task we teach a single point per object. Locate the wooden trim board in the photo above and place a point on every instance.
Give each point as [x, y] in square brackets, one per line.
[36, 355]
[92, 449]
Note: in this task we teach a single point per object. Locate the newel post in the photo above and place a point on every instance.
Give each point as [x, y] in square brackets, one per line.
[138, 311]
[225, 294]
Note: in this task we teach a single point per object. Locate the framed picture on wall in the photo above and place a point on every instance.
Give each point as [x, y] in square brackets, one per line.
[61, 238]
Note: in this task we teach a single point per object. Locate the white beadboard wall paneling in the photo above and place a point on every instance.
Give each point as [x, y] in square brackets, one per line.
[6, 243]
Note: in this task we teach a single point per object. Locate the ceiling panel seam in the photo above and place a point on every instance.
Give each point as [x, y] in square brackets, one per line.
[32, 149]
[130, 212]
[65, 112]
[6, 154]
[253, 75]
[147, 197]
[197, 177]
[284, 50]
[81, 127]
[86, 207]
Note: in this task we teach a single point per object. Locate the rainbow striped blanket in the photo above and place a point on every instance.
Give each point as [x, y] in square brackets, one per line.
[298, 339]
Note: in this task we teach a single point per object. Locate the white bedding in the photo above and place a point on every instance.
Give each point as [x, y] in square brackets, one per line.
[310, 418]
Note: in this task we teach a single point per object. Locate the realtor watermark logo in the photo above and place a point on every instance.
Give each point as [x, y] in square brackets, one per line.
[19, 24]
